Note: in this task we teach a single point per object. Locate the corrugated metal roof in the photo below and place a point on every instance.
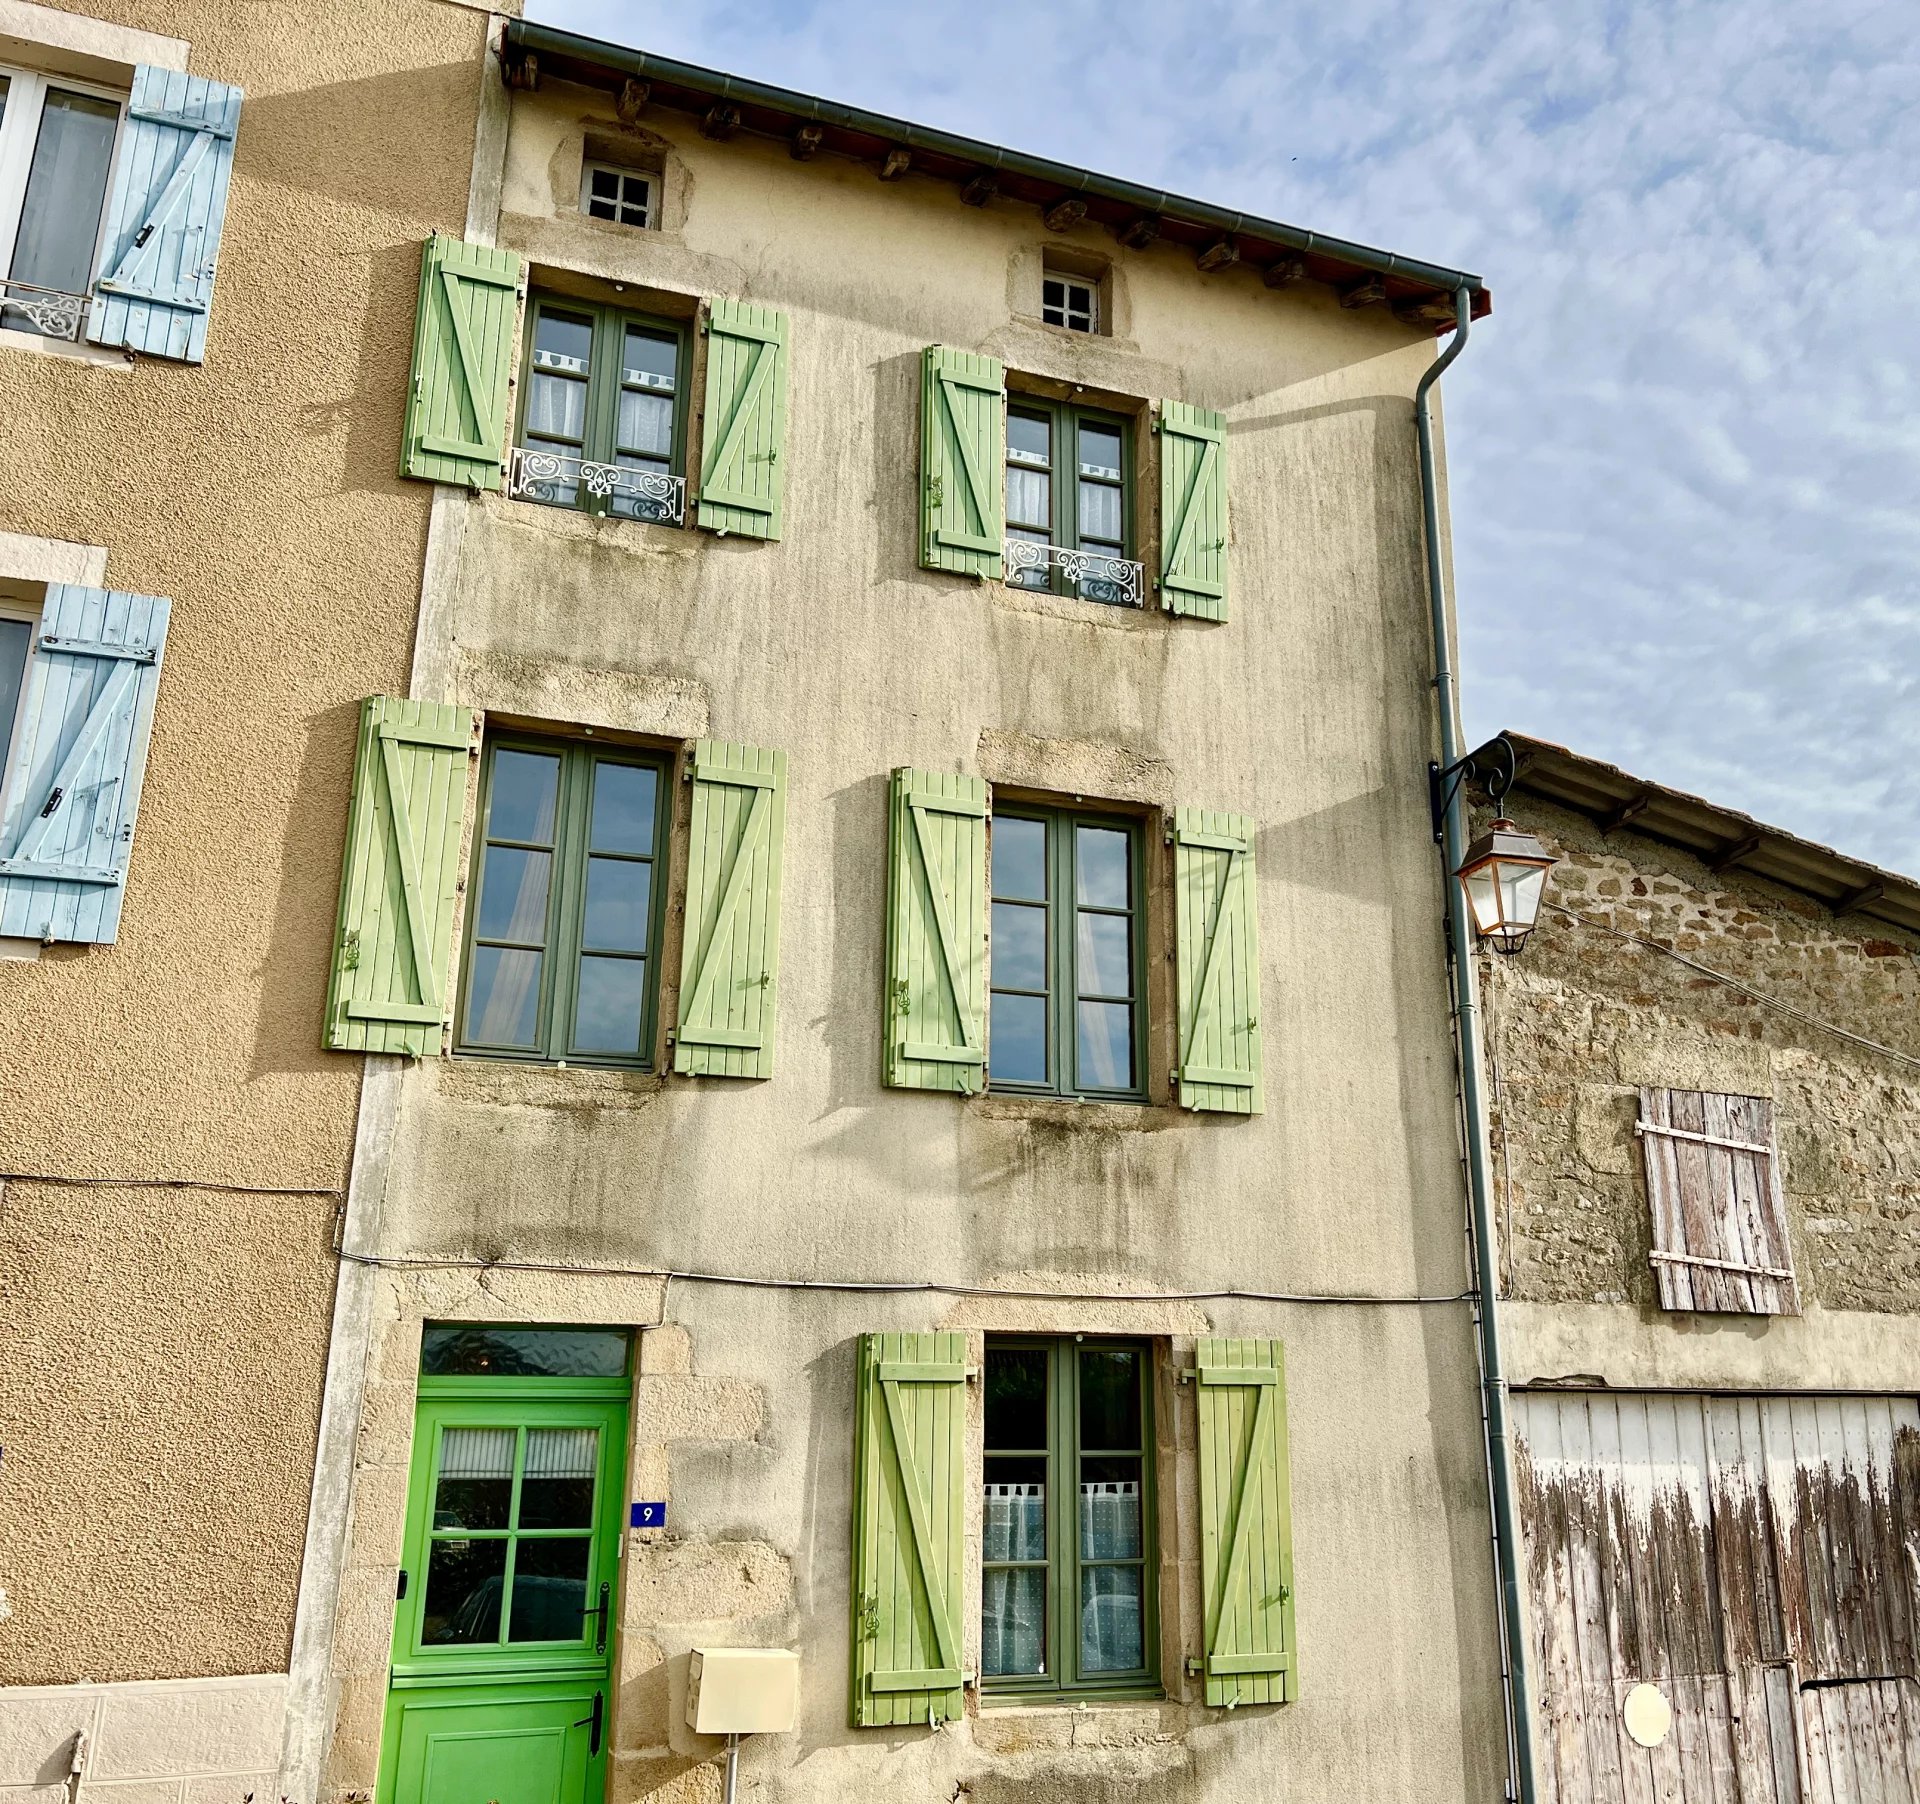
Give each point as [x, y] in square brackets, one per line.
[734, 103]
[1721, 838]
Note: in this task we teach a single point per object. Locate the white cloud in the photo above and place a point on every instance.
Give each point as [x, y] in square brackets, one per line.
[1685, 450]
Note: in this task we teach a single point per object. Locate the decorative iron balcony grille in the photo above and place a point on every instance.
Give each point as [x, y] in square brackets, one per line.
[561, 479]
[1093, 575]
[52, 312]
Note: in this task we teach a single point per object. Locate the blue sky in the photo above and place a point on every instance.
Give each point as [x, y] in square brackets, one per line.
[1685, 452]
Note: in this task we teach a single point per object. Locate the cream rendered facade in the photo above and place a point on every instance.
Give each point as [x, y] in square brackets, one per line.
[486, 1190]
[173, 1142]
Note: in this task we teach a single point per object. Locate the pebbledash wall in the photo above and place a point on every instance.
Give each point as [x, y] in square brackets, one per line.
[1585, 1017]
[173, 1143]
[1310, 710]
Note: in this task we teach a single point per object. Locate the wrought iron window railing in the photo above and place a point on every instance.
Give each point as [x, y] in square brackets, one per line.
[52, 312]
[1093, 575]
[562, 479]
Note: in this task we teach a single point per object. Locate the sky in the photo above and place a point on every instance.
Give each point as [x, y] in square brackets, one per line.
[1684, 452]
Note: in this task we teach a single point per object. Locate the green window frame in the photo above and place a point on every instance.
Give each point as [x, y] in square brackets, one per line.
[1069, 1596]
[1069, 490]
[566, 903]
[603, 411]
[1067, 954]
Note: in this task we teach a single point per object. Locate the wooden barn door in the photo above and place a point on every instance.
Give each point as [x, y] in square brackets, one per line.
[1756, 1561]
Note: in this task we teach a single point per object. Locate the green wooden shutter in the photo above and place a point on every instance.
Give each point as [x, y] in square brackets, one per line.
[462, 353]
[909, 1528]
[387, 991]
[1193, 510]
[963, 455]
[936, 932]
[731, 952]
[1219, 970]
[1246, 1524]
[745, 420]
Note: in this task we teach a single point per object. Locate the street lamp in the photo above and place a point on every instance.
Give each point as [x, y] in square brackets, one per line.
[1504, 871]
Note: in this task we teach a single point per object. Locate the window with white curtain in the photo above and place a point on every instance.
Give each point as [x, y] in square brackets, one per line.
[56, 154]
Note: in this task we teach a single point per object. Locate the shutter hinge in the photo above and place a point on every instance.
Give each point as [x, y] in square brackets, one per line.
[1185, 1374]
[53, 802]
[1196, 1667]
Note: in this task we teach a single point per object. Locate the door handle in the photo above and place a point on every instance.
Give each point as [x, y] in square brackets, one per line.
[599, 1710]
[599, 1612]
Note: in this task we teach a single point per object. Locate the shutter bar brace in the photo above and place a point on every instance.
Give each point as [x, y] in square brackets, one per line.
[1722, 1265]
[1641, 1128]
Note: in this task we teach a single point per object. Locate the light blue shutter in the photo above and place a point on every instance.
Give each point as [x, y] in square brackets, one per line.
[66, 821]
[164, 213]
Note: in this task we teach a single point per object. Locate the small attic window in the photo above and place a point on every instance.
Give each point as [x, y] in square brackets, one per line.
[622, 196]
[1070, 301]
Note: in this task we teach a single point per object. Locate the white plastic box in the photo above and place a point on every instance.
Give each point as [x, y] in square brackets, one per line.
[743, 1690]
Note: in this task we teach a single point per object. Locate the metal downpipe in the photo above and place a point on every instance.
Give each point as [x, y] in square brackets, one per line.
[1453, 839]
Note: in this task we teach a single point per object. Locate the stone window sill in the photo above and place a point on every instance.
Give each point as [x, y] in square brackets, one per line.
[75, 351]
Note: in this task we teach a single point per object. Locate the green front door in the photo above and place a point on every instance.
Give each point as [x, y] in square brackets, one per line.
[500, 1689]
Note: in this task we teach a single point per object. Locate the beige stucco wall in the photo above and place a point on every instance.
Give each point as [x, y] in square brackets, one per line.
[1309, 711]
[1583, 1019]
[161, 1349]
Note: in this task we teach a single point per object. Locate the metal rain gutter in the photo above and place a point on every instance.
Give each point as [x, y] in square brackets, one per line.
[569, 47]
[1453, 840]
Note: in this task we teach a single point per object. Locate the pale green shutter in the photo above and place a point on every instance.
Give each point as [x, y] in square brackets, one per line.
[1246, 1524]
[462, 353]
[388, 988]
[936, 932]
[909, 1528]
[1193, 510]
[731, 952]
[745, 420]
[963, 456]
[1219, 962]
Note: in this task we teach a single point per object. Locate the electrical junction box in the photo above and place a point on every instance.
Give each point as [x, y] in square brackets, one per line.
[743, 1690]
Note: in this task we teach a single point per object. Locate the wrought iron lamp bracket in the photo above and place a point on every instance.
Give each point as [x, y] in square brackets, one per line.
[1495, 764]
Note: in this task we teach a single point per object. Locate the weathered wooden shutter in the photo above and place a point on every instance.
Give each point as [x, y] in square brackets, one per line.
[165, 210]
[909, 1528]
[730, 955]
[936, 932]
[745, 422]
[1246, 1524]
[963, 456]
[462, 353]
[398, 885]
[1193, 510]
[66, 821]
[1219, 962]
[1719, 1213]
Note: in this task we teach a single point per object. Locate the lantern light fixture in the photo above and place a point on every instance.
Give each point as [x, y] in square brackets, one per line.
[1504, 870]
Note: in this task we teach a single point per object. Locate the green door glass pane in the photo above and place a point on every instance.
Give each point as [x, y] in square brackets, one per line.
[550, 1589]
[475, 1489]
[557, 1488]
[464, 1586]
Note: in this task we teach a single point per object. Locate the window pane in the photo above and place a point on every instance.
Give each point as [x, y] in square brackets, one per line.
[1106, 1045]
[646, 423]
[480, 1350]
[66, 186]
[556, 1489]
[475, 1487]
[1030, 499]
[505, 997]
[1019, 1050]
[1100, 512]
[563, 341]
[1013, 1622]
[1104, 866]
[619, 905]
[464, 1581]
[1029, 438]
[1016, 1400]
[1110, 1526]
[16, 641]
[606, 184]
[513, 895]
[607, 1016]
[1020, 859]
[557, 408]
[1014, 1517]
[525, 788]
[1110, 1398]
[624, 797]
[1019, 946]
[1106, 955]
[652, 359]
[1053, 294]
[1034, 576]
[550, 1590]
[1110, 1631]
[1100, 451]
